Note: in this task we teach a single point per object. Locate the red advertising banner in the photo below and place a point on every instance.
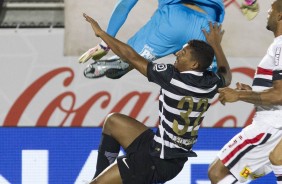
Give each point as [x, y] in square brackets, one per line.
[42, 88]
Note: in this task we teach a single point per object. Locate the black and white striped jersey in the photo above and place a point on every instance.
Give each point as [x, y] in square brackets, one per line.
[184, 99]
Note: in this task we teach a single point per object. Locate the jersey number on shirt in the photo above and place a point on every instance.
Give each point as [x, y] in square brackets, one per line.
[185, 115]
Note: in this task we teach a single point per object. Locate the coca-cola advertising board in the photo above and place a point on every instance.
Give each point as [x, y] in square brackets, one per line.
[40, 87]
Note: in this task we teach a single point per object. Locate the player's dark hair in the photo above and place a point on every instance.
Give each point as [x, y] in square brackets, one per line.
[279, 5]
[202, 52]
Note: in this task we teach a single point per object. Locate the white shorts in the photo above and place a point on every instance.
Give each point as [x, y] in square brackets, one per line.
[246, 155]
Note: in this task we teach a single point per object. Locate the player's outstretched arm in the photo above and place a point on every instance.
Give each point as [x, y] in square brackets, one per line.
[214, 38]
[124, 51]
[117, 19]
[271, 96]
[119, 15]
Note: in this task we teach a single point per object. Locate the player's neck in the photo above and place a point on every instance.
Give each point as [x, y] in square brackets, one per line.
[278, 31]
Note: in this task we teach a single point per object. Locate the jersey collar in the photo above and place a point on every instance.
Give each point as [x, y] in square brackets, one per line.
[194, 73]
[278, 38]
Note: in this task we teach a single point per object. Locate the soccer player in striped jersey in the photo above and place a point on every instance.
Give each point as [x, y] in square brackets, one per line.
[255, 151]
[187, 88]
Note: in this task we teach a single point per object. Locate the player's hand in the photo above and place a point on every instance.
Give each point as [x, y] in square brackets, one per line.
[228, 95]
[241, 86]
[95, 26]
[215, 35]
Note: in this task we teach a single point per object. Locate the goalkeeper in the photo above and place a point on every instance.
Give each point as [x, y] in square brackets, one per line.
[173, 24]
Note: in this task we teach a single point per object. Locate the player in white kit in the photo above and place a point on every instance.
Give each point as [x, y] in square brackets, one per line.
[248, 155]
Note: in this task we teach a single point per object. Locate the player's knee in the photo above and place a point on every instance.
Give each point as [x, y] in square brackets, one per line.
[110, 122]
[275, 158]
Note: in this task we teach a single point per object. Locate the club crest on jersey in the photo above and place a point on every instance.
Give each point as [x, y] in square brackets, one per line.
[160, 67]
[277, 56]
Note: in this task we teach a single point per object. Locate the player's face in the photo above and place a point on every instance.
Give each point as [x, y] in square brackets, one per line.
[271, 18]
[183, 59]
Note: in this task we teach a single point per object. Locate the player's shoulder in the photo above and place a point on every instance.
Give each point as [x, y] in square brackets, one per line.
[277, 42]
[276, 46]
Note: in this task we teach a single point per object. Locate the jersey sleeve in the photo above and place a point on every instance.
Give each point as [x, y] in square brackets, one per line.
[160, 74]
[221, 81]
[277, 70]
[119, 15]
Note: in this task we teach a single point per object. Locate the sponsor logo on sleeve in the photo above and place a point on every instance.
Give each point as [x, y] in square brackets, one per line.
[277, 56]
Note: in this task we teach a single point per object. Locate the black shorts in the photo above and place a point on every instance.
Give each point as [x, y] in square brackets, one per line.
[139, 167]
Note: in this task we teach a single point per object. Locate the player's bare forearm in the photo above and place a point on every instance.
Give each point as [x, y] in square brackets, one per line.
[222, 64]
[268, 97]
[214, 38]
[272, 96]
[124, 51]
[250, 97]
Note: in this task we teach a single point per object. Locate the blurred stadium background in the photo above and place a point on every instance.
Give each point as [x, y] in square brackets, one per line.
[51, 116]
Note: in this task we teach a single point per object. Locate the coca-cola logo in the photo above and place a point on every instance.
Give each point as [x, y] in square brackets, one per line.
[76, 114]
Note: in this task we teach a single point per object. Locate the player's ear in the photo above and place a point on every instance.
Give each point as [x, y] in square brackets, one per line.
[195, 65]
[279, 16]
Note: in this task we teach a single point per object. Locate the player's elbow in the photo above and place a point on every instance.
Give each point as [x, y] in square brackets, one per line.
[226, 73]
[228, 80]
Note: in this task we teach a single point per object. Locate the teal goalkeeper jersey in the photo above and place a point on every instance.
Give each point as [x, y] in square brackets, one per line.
[171, 26]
